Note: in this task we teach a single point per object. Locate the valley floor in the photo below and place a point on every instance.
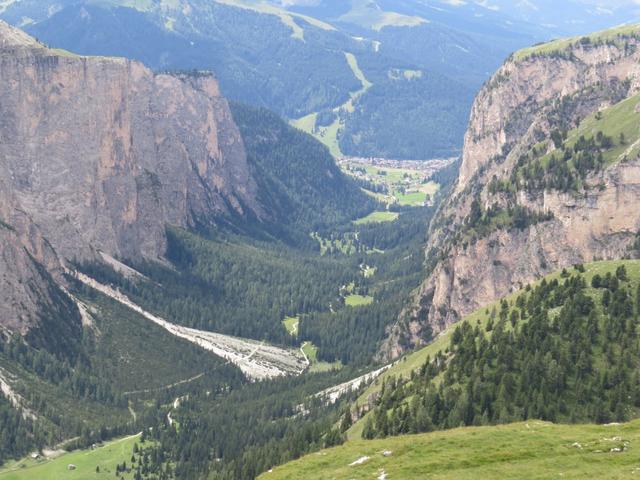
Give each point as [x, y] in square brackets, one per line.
[89, 464]
[528, 450]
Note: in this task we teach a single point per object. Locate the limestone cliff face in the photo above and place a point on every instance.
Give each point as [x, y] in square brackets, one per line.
[527, 98]
[100, 154]
[27, 265]
[103, 154]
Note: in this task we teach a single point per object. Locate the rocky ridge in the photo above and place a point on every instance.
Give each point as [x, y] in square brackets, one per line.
[534, 93]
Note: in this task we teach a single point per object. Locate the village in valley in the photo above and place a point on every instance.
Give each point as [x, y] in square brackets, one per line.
[396, 182]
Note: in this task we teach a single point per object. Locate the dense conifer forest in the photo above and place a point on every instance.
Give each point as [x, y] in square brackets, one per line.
[562, 351]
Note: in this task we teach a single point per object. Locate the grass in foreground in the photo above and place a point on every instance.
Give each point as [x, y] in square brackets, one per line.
[534, 450]
[86, 461]
[378, 217]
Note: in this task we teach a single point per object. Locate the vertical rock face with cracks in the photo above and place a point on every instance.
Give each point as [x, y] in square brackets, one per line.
[103, 153]
[537, 91]
[100, 154]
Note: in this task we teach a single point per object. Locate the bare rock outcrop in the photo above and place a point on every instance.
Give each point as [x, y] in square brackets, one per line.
[100, 155]
[515, 111]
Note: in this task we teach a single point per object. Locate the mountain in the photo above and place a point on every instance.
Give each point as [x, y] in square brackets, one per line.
[100, 155]
[198, 276]
[549, 178]
[354, 74]
[152, 238]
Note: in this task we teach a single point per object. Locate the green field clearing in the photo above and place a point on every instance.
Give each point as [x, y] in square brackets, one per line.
[106, 457]
[413, 199]
[325, 135]
[532, 450]
[378, 217]
[311, 351]
[357, 300]
[291, 324]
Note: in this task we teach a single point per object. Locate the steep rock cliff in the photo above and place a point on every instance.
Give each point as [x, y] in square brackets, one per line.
[99, 155]
[103, 154]
[550, 177]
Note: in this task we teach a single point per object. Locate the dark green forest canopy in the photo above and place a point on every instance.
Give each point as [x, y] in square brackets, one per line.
[564, 351]
[299, 181]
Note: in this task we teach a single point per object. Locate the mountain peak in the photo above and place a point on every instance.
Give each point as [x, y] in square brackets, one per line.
[13, 37]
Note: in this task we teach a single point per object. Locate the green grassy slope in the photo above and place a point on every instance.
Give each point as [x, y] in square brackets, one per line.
[531, 449]
[534, 450]
[619, 119]
[105, 457]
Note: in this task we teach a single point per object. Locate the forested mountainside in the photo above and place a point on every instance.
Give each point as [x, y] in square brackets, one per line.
[549, 178]
[298, 180]
[353, 74]
[561, 350]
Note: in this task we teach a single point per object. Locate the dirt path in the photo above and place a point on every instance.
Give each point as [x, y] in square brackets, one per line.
[133, 413]
[306, 358]
[176, 404]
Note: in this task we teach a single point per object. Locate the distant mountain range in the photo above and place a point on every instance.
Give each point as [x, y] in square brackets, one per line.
[367, 78]
[389, 78]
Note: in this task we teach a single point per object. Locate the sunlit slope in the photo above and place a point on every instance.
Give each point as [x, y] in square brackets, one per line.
[532, 450]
